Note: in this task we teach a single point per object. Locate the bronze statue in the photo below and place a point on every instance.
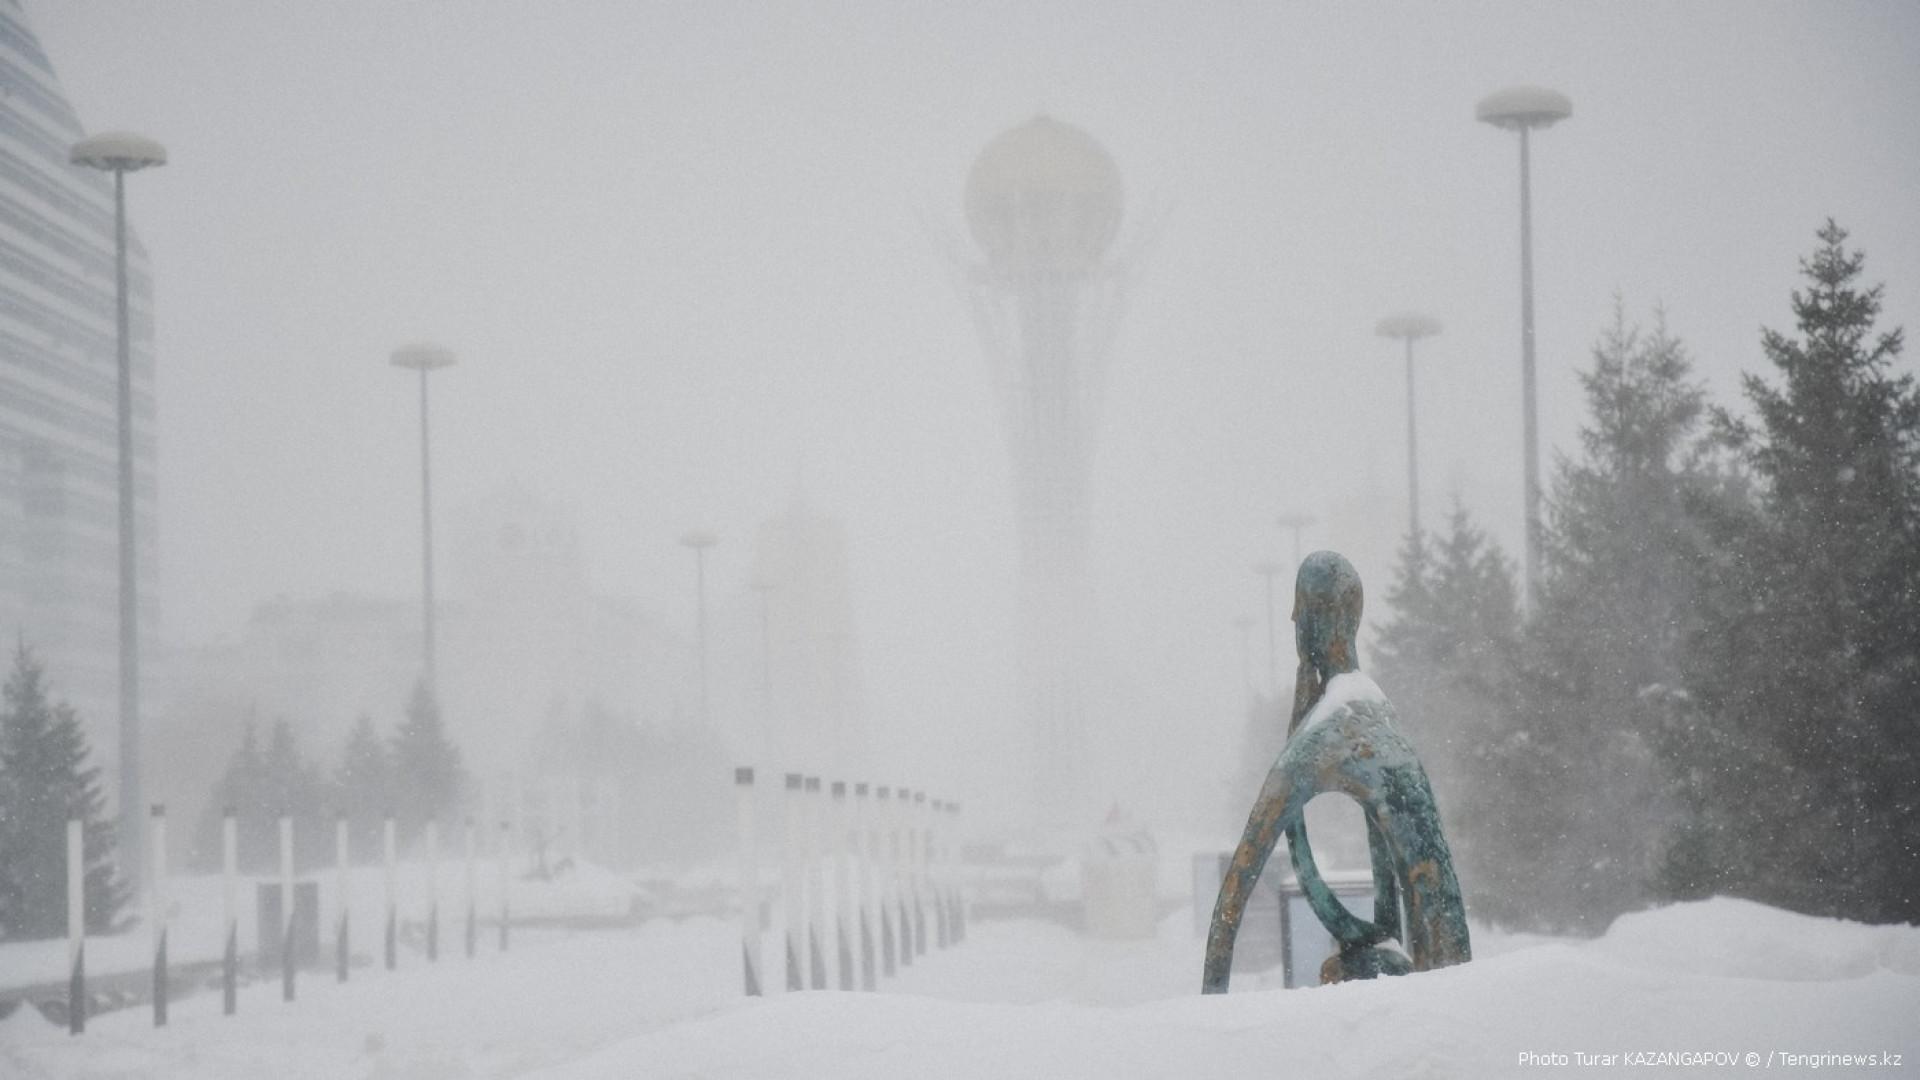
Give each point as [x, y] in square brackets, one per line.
[1342, 738]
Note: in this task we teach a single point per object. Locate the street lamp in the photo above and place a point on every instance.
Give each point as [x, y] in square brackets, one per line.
[120, 153]
[764, 586]
[700, 540]
[425, 357]
[1295, 523]
[1269, 569]
[1244, 623]
[1410, 327]
[1523, 108]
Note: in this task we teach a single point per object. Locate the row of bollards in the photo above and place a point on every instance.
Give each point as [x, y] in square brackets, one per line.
[864, 869]
[158, 912]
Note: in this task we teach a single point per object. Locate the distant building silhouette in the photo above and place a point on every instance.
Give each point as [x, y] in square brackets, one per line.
[59, 450]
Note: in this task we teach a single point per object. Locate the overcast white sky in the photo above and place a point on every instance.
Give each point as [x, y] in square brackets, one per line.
[682, 251]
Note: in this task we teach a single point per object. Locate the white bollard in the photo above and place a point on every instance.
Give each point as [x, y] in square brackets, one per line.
[506, 859]
[917, 853]
[286, 908]
[473, 896]
[342, 944]
[230, 908]
[157, 910]
[863, 882]
[937, 871]
[843, 905]
[749, 883]
[390, 852]
[816, 886]
[433, 891]
[957, 867]
[793, 900]
[879, 839]
[76, 927]
[899, 870]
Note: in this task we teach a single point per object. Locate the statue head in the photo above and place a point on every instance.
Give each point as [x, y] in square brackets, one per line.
[1326, 613]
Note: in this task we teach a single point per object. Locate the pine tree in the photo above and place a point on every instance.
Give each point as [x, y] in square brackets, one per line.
[427, 775]
[364, 787]
[1445, 660]
[1603, 678]
[1825, 665]
[44, 782]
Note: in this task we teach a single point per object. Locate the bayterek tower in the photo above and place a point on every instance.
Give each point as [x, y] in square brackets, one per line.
[1043, 203]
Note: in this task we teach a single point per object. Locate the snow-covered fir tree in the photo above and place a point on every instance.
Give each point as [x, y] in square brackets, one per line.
[45, 781]
[1819, 658]
[1446, 659]
[363, 787]
[428, 779]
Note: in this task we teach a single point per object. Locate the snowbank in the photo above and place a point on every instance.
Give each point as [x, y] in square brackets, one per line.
[1026, 999]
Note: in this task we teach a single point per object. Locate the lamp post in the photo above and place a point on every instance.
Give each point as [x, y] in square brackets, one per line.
[700, 540]
[1244, 624]
[1410, 327]
[1295, 523]
[425, 357]
[120, 153]
[764, 586]
[1521, 109]
[1269, 569]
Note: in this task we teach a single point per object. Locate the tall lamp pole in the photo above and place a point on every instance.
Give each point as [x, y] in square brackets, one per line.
[1410, 327]
[764, 586]
[1523, 108]
[1295, 523]
[1269, 569]
[700, 540]
[425, 357]
[1244, 624]
[121, 153]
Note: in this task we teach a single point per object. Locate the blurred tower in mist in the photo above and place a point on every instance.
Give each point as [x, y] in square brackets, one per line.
[1043, 202]
[59, 538]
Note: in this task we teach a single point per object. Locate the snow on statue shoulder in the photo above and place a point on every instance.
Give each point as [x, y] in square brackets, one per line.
[1342, 738]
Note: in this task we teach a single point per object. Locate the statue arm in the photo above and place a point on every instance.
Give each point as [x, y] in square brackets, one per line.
[1277, 803]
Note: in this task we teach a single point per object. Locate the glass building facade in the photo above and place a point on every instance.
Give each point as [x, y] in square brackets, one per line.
[59, 523]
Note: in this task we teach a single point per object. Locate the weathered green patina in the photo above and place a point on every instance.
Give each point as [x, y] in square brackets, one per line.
[1342, 738]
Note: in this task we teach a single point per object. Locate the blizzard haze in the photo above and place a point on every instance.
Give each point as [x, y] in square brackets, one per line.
[694, 261]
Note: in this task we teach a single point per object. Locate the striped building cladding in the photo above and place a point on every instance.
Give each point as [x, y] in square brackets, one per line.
[59, 527]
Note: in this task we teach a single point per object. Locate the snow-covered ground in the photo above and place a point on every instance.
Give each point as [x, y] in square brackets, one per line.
[1029, 999]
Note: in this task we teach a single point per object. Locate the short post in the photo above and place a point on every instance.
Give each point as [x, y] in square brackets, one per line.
[816, 887]
[897, 869]
[917, 866]
[937, 869]
[843, 905]
[389, 843]
[157, 910]
[76, 927]
[790, 888]
[956, 849]
[473, 896]
[433, 891]
[342, 942]
[506, 860]
[749, 883]
[286, 908]
[863, 882]
[881, 840]
[229, 885]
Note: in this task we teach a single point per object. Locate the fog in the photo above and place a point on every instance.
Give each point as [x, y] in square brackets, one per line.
[696, 263]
